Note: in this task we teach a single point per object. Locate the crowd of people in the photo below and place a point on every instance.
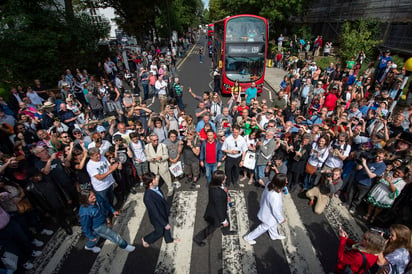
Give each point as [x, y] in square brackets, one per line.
[329, 134]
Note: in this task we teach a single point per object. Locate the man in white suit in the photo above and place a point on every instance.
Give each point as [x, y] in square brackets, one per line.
[270, 212]
[158, 155]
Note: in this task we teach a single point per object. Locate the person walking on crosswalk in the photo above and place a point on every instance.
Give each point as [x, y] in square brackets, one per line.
[158, 210]
[93, 213]
[216, 211]
[270, 212]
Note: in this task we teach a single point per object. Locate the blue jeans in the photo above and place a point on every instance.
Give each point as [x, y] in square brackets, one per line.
[260, 171]
[107, 233]
[309, 181]
[179, 100]
[210, 168]
[107, 194]
[145, 91]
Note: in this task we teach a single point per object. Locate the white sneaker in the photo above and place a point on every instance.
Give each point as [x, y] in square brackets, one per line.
[36, 253]
[94, 249]
[47, 232]
[251, 242]
[130, 248]
[177, 184]
[37, 243]
[28, 265]
[280, 237]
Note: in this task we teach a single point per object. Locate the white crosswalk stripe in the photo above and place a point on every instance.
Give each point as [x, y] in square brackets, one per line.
[175, 258]
[338, 216]
[298, 247]
[112, 258]
[56, 250]
[238, 256]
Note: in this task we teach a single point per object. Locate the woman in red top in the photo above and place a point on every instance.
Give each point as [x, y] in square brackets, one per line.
[371, 244]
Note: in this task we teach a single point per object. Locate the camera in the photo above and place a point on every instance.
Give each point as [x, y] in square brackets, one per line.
[335, 146]
[386, 233]
[328, 175]
[116, 160]
[359, 155]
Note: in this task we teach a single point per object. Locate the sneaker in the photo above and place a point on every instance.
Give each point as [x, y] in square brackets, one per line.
[94, 249]
[37, 243]
[280, 237]
[36, 253]
[352, 211]
[130, 248]
[47, 232]
[28, 265]
[251, 242]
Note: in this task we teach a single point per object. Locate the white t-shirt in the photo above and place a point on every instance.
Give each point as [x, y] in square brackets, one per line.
[101, 167]
[335, 161]
[103, 148]
[138, 151]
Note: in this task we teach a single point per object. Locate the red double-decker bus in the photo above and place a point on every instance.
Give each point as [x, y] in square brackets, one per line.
[239, 50]
[209, 34]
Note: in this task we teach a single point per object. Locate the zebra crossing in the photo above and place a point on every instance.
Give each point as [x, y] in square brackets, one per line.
[237, 256]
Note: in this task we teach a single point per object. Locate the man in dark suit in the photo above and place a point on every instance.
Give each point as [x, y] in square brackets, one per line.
[158, 210]
[216, 211]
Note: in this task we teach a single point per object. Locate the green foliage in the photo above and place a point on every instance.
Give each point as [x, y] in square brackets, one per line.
[277, 12]
[305, 33]
[399, 61]
[140, 17]
[324, 62]
[357, 36]
[40, 42]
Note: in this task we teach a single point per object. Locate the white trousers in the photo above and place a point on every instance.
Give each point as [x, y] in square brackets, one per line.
[262, 228]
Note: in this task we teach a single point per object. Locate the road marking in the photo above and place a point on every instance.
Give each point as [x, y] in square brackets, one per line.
[56, 251]
[175, 258]
[338, 216]
[187, 56]
[269, 92]
[238, 256]
[298, 247]
[112, 258]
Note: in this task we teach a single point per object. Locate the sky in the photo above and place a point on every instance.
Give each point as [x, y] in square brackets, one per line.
[206, 4]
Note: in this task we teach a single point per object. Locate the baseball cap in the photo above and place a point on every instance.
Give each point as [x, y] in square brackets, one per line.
[100, 129]
[117, 137]
[76, 130]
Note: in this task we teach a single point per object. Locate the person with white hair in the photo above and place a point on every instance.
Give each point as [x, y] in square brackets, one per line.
[178, 90]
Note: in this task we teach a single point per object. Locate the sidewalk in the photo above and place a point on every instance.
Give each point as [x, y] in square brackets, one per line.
[273, 77]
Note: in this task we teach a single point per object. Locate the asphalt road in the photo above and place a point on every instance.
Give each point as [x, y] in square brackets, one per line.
[310, 247]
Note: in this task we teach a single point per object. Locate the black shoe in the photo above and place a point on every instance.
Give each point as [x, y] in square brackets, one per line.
[133, 190]
[68, 230]
[193, 186]
[232, 232]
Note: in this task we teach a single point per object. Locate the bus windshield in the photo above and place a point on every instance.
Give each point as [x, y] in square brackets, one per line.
[245, 29]
[244, 68]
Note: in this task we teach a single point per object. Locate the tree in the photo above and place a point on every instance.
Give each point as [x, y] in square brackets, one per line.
[38, 40]
[357, 36]
[278, 12]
